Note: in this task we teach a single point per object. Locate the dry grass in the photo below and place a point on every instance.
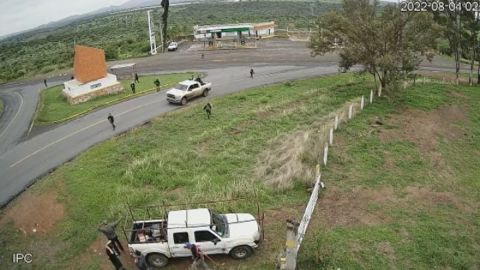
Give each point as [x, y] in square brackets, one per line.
[292, 157]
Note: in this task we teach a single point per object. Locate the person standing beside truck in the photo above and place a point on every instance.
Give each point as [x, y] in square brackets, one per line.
[108, 229]
[113, 256]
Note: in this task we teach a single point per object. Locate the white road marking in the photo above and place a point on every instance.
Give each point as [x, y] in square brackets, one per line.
[16, 114]
[78, 131]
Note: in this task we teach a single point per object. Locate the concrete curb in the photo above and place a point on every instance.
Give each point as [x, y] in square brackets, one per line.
[95, 108]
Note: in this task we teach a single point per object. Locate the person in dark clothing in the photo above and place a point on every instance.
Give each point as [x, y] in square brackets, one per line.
[113, 256]
[208, 109]
[132, 86]
[111, 120]
[136, 78]
[198, 79]
[157, 84]
[251, 73]
[109, 230]
[197, 256]
[45, 82]
[140, 261]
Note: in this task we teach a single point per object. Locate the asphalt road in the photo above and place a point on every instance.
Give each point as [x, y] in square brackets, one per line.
[25, 159]
[30, 159]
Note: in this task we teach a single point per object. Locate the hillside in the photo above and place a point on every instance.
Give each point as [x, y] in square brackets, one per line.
[402, 180]
[124, 35]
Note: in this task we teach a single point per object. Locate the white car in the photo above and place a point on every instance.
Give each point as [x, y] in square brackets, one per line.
[187, 90]
[159, 239]
[172, 46]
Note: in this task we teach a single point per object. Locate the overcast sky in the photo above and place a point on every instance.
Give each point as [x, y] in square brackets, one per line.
[18, 15]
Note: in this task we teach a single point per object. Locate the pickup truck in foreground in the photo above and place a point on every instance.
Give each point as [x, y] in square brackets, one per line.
[187, 90]
[159, 239]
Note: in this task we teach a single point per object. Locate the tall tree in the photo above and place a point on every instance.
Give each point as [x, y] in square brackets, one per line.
[389, 44]
[165, 5]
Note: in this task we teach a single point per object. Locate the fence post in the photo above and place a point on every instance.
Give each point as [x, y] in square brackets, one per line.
[325, 154]
[362, 103]
[330, 140]
[335, 125]
[350, 111]
[289, 261]
[371, 96]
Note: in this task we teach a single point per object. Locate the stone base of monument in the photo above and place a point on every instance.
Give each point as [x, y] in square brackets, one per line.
[77, 92]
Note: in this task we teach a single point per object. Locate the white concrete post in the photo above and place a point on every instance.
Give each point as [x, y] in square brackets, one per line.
[335, 125]
[331, 136]
[289, 260]
[380, 90]
[350, 111]
[371, 96]
[325, 154]
[362, 103]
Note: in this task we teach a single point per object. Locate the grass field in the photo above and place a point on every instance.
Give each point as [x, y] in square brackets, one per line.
[387, 202]
[54, 107]
[405, 193]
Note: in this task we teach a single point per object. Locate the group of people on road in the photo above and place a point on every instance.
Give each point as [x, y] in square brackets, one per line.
[207, 108]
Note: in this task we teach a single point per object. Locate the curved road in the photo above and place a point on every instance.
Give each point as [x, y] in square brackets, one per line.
[22, 162]
[28, 160]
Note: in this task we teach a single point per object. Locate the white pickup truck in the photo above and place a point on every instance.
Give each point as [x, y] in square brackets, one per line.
[187, 90]
[160, 239]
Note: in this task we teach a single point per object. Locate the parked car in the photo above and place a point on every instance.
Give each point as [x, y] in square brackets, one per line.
[187, 90]
[159, 239]
[172, 46]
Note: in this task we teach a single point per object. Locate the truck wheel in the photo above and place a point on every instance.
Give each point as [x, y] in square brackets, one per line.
[184, 101]
[205, 92]
[157, 260]
[241, 252]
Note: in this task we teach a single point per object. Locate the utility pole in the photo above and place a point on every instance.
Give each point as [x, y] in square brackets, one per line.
[151, 35]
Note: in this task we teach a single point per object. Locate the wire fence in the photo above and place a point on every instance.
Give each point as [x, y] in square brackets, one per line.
[296, 231]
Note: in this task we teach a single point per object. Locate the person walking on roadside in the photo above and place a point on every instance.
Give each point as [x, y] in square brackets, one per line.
[251, 73]
[111, 120]
[157, 84]
[136, 78]
[132, 86]
[113, 256]
[45, 82]
[109, 230]
[208, 109]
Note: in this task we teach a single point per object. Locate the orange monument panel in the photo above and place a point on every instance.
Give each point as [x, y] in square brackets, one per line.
[89, 64]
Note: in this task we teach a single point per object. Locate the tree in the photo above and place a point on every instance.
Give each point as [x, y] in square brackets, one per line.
[388, 44]
[165, 5]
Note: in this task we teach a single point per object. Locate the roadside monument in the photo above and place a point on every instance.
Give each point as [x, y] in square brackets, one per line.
[91, 79]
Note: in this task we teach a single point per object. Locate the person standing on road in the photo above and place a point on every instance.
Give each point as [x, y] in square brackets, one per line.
[157, 84]
[111, 120]
[251, 73]
[45, 82]
[208, 109]
[109, 230]
[136, 78]
[132, 86]
[113, 256]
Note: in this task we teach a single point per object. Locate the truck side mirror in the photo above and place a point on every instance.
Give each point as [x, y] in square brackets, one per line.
[215, 241]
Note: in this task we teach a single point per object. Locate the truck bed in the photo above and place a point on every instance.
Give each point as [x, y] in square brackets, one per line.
[148, 232]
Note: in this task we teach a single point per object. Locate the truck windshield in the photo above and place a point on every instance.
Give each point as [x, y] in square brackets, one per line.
[181, 87]
[220, 224]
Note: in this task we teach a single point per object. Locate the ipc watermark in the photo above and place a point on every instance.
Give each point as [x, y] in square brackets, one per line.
[18, 258]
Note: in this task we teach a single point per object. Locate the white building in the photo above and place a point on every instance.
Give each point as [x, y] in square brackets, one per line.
[234, 31]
